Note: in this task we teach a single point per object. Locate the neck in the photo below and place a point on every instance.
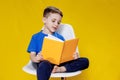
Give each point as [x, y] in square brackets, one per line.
[46, 31]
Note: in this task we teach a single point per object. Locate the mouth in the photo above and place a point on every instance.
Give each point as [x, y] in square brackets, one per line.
[55, 27]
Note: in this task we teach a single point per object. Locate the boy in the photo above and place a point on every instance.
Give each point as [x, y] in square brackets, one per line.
[52, 17]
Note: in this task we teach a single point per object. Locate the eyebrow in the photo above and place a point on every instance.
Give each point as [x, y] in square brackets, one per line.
[55, 19]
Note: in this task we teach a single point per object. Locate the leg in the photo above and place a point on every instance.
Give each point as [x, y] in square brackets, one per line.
[75, 65]
[72, 66]
[44, 70]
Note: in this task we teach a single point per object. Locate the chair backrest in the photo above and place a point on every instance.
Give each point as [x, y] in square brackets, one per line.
[67, 32]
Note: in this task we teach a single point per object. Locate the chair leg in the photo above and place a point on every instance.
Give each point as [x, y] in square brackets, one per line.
[63, 78]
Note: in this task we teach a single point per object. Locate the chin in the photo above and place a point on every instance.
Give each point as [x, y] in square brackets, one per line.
[53, 30]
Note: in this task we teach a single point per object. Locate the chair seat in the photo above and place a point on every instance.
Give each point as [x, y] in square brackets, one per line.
[66, 74]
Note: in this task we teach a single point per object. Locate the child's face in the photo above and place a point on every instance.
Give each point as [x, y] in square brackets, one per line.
[52, 22]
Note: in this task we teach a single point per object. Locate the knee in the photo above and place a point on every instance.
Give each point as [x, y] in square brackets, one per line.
[85, 61]
[44, 64]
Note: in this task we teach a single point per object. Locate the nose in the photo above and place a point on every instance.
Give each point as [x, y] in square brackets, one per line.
[56, 24]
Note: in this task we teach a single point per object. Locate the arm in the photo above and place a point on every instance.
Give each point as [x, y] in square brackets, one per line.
[36, 58]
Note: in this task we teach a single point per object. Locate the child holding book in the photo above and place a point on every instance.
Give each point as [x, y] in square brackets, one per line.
[52, 17]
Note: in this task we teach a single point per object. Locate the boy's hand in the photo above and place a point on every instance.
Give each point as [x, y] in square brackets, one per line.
[39, 57]
[75, 55]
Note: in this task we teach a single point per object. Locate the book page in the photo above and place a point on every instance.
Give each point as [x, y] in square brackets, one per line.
[69, 49]
[53, 37]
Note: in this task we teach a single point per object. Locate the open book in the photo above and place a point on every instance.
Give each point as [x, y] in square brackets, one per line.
[57, 51]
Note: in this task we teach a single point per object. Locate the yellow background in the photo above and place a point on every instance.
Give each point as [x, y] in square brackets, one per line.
[96, 23]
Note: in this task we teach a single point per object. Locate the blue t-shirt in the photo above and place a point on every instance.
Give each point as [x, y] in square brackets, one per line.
[37, 41]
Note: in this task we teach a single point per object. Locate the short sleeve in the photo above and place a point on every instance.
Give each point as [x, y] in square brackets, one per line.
[62, 38]
[32, 45]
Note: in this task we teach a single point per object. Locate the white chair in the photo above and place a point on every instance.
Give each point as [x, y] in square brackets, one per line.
[65, 30]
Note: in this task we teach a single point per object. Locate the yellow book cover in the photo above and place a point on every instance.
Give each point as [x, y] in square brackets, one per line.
[57, 51]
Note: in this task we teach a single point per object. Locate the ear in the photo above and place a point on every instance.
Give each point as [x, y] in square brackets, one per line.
[44, 19]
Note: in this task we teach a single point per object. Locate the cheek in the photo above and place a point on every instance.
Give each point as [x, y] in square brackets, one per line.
[48, 22]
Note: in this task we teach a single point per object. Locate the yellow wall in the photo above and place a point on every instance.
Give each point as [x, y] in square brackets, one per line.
[96, 23]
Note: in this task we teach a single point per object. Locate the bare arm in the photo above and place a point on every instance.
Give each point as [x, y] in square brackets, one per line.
[36, 58]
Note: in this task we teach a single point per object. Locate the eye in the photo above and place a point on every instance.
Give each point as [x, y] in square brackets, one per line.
[59, 22]
[53, 20]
